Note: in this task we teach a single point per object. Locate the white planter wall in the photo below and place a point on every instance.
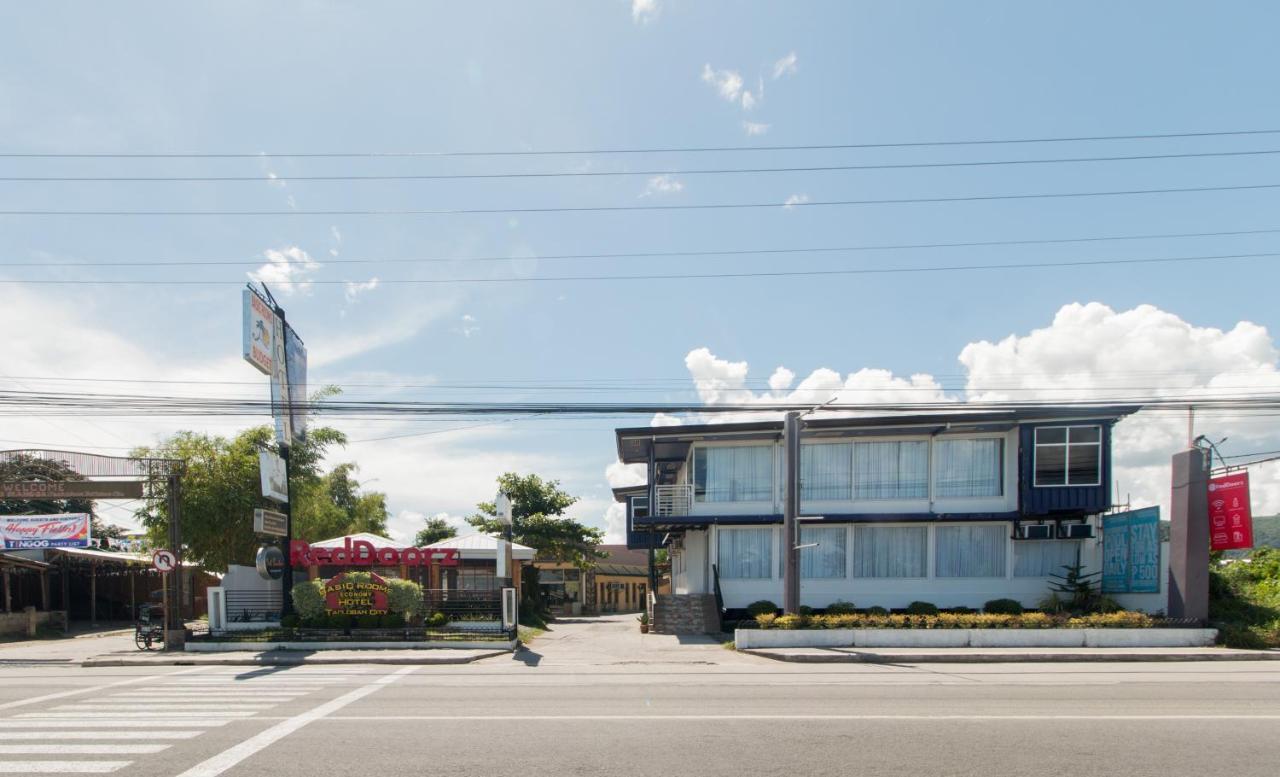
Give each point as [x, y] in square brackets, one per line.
[748, 639]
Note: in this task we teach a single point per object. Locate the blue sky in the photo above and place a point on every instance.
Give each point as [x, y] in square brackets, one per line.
[373, 77]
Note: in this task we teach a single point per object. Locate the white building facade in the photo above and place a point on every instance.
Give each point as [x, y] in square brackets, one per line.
[954, 509]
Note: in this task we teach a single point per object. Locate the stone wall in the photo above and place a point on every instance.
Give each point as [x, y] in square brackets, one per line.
[685, 614]
[26, 623]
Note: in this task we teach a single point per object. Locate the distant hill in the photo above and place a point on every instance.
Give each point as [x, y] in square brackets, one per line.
[1266, 531]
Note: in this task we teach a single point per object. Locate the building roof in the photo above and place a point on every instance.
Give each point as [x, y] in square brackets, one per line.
[622, 555]
[671, 443]
[482, 546]
[92, 554]
[376, 540]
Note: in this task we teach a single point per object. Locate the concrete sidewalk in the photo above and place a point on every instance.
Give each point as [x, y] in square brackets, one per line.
[850, 655]
[291, 657]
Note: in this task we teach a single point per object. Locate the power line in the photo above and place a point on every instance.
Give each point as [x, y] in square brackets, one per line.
[622, 173]
[678, 276]
[671, 254]
[641, 208]
[651, 150]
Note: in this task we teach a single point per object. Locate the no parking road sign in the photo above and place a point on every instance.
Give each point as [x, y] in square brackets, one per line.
[164, 560]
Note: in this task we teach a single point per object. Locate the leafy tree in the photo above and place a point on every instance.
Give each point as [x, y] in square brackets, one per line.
[436, 529]
[538, 521]
[221, 488]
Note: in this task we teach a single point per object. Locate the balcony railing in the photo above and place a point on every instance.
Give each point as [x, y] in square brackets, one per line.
[674, 500]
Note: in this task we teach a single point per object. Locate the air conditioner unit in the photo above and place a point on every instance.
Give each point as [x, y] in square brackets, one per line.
[1037, 531]
[1077, 531]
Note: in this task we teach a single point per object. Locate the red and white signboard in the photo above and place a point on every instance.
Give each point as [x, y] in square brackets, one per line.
[259, 333]
[1230, 517]
[61, 530]
[164, 560]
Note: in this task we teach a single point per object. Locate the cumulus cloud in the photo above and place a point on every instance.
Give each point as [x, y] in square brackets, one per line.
[754, 128]
[1088, 351]
[644, 11]
[785, 66]
[728, 83]
[287, 270]
[794, 200]
[662, 184]
[354, 289]
[468, 326]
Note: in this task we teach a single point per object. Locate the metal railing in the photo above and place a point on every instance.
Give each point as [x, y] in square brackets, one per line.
[466, 610]
[675, 499]
[253, 606]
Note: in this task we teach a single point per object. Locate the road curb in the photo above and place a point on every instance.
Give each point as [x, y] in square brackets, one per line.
[284, 659]
[1010, 658]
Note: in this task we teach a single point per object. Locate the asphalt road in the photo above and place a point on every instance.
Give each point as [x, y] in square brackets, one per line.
[592, 699]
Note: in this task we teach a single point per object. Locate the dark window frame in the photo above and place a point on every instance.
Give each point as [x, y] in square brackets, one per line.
[1066, 445]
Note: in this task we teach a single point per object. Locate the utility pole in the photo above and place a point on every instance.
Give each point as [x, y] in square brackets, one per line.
[175, 625]
[285, 444]
[791, 514]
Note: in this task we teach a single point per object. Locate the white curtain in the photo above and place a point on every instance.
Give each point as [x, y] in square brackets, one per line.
[740, 473]
[891, 470]
[745, 553]
[890, 551]
[1041, 558]
[825, 472]
[827, 560]
[970, 551]
[969, 468]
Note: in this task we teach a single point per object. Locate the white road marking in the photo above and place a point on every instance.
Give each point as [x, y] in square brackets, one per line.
[13, 736]
[93, 689]
[925, 718]
[234, 755]
[82, 721]
[78, 749]
[61, 767]
[85, 715]
[103, 706]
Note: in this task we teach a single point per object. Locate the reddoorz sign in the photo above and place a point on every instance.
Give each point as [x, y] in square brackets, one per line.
[361, 553]
[345, 596]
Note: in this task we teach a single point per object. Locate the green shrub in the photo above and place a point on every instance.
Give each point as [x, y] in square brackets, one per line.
[1003, 607]
[805, 610]
[308, 598]
[1112, 620]
[368, 621]
[337, 622]
[291, 621]
[405, 598]
[952, 620]
[877, 610]
[761, 607]
[922, 608]
[437, 619]
[392, 620]
[840, 607]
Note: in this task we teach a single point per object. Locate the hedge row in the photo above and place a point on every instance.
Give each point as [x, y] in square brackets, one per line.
[947, 620]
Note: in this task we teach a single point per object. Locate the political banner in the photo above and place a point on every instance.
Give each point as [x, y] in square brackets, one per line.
[59, 530]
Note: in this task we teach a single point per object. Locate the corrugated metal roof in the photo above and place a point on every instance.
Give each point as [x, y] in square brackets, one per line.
[103, 555]
[377, 540]
[482, 546]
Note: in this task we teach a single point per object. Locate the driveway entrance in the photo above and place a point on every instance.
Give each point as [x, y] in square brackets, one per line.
[605, 640]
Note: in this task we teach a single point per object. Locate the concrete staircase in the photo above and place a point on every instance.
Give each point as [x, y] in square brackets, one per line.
[685, 614]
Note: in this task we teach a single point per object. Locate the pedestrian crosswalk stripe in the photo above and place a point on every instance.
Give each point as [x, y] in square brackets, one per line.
[14, 736]
[78, 749]
[102, 706]
[84, 715]
[61, 767]
[83, 721]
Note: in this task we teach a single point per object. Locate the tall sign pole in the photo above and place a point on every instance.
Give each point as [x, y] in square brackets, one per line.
[506, 574]
[175, 625]
[790, 514]
[284, 432]
[1189, 537]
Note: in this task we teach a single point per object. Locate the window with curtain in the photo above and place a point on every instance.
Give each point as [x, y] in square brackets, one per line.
[827, 560]
[890, 551]
[891, 470]
[970, 551]
[737, 473]
[745, 553]
[969, 468]
[1041, 558]
[1068, 455]
[825, 471]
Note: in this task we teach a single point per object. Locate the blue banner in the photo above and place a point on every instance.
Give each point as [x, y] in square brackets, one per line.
[1131, 552]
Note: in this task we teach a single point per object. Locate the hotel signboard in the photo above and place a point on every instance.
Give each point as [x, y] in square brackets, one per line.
[361, 593]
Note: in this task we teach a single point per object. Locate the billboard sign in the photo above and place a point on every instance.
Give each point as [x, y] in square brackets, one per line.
[353, 595]
[270, 522]
[71, 489]
[58, 530]
[259, 333]
[295, 358]
[1131, 552]
[280, 388]
[275, 481]
[1230, 515]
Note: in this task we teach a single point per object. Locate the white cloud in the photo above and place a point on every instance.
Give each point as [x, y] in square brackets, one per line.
[287, 270]
[1089, 351]
[469, 325]
[354, 289]
[754, 127]
[785, 66]
[728, 83]
[794, 200]
[644, 11]
[662, 184]
[393, 326]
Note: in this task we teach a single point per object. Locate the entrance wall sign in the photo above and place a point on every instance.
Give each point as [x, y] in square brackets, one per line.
[59, 530]
[348, 595]
[1230, 514]
[363, 553]
[270, 562]
[72, 489]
